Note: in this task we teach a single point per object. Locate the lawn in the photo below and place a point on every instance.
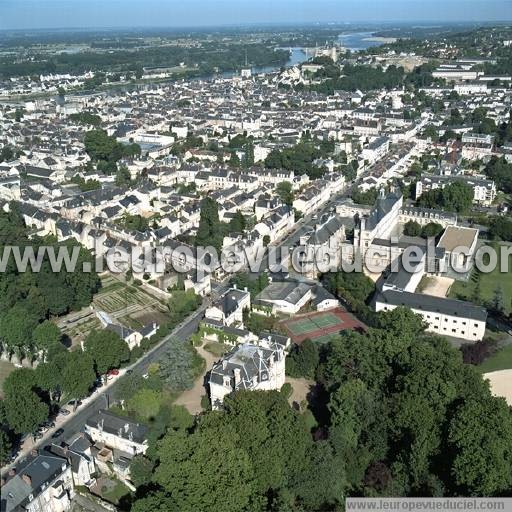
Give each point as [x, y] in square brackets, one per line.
[489, 283]
[5, 369]
[501, 360]
[217, 349]
[113, 491]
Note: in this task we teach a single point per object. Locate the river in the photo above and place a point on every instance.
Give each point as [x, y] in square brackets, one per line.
[355, 41]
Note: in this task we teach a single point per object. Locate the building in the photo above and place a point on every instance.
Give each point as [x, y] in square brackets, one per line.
[247, 367]
[443, 316]
[228, 309]
[117, 432]
[484, 191]
[45, 484]
[286, 297]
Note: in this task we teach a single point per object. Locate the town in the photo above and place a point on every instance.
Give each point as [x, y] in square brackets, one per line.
[203, 383]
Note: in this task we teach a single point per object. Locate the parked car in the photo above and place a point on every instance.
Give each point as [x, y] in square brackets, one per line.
[64, 412]
[37, 435]
[58, 433]
[112, 373]
[72, 403]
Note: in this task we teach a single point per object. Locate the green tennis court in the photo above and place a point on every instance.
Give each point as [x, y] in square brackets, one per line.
[313, 323]
[302, 326]
[324, 339]
[327, 320]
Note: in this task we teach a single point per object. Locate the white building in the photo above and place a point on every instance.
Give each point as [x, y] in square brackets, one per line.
[228, 309]
[117, 433]
[45, 484]
[247, 367]
[448, 317]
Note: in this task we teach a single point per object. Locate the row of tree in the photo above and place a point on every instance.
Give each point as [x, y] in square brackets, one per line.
[30, 297]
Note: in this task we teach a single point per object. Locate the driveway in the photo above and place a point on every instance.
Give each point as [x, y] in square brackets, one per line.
[191, 399]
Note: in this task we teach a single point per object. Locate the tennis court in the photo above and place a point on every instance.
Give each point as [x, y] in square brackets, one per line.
[320, 326]
[313, 323]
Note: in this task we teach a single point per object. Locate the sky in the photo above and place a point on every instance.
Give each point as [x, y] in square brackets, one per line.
[41, 14]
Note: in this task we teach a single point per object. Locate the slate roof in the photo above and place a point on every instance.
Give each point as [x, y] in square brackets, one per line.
[119, 426]
[432, 304]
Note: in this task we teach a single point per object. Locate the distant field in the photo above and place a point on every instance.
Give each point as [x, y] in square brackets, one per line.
[502, 360]
[488, 285]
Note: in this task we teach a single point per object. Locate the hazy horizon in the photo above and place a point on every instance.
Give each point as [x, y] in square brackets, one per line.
[112, 14]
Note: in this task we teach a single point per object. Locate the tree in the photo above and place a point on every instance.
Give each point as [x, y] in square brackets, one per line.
[303, 360]
[209, 232]
[123, 176]
[78, 374]
[234, 161]
[266, 240]
[432, 230]
[412, 228]
[5, 446]
[25, 412]
[179, 365]
[455, 197]
[181, 304]
[285, 192]
[47, 338]
[145, 403]
[17, 327]
[206, 470]
[238, 223]
[107, 350]
[497, 301]
[480, 435]
[141, 470]
[155, 502]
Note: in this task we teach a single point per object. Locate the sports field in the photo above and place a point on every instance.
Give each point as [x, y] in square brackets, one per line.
[320, 326]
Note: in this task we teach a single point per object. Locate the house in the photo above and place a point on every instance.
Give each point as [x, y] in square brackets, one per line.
[285, 297]
[247, 367]
[117, 433]
[77, 451]
[44, 484]
[130, 336]
[228, 309]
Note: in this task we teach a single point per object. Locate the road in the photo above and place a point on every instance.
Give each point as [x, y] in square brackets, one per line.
[103, 396]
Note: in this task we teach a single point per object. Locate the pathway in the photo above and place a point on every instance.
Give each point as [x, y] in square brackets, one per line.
[191, 398]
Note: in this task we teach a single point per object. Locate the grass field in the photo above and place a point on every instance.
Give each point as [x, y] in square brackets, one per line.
[5, 369]
[489, 283]
[502, 360]
[217, 349]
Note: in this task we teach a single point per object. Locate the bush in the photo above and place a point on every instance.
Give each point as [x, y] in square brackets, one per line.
[205, 403]
[477, 353]
[287, 390]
